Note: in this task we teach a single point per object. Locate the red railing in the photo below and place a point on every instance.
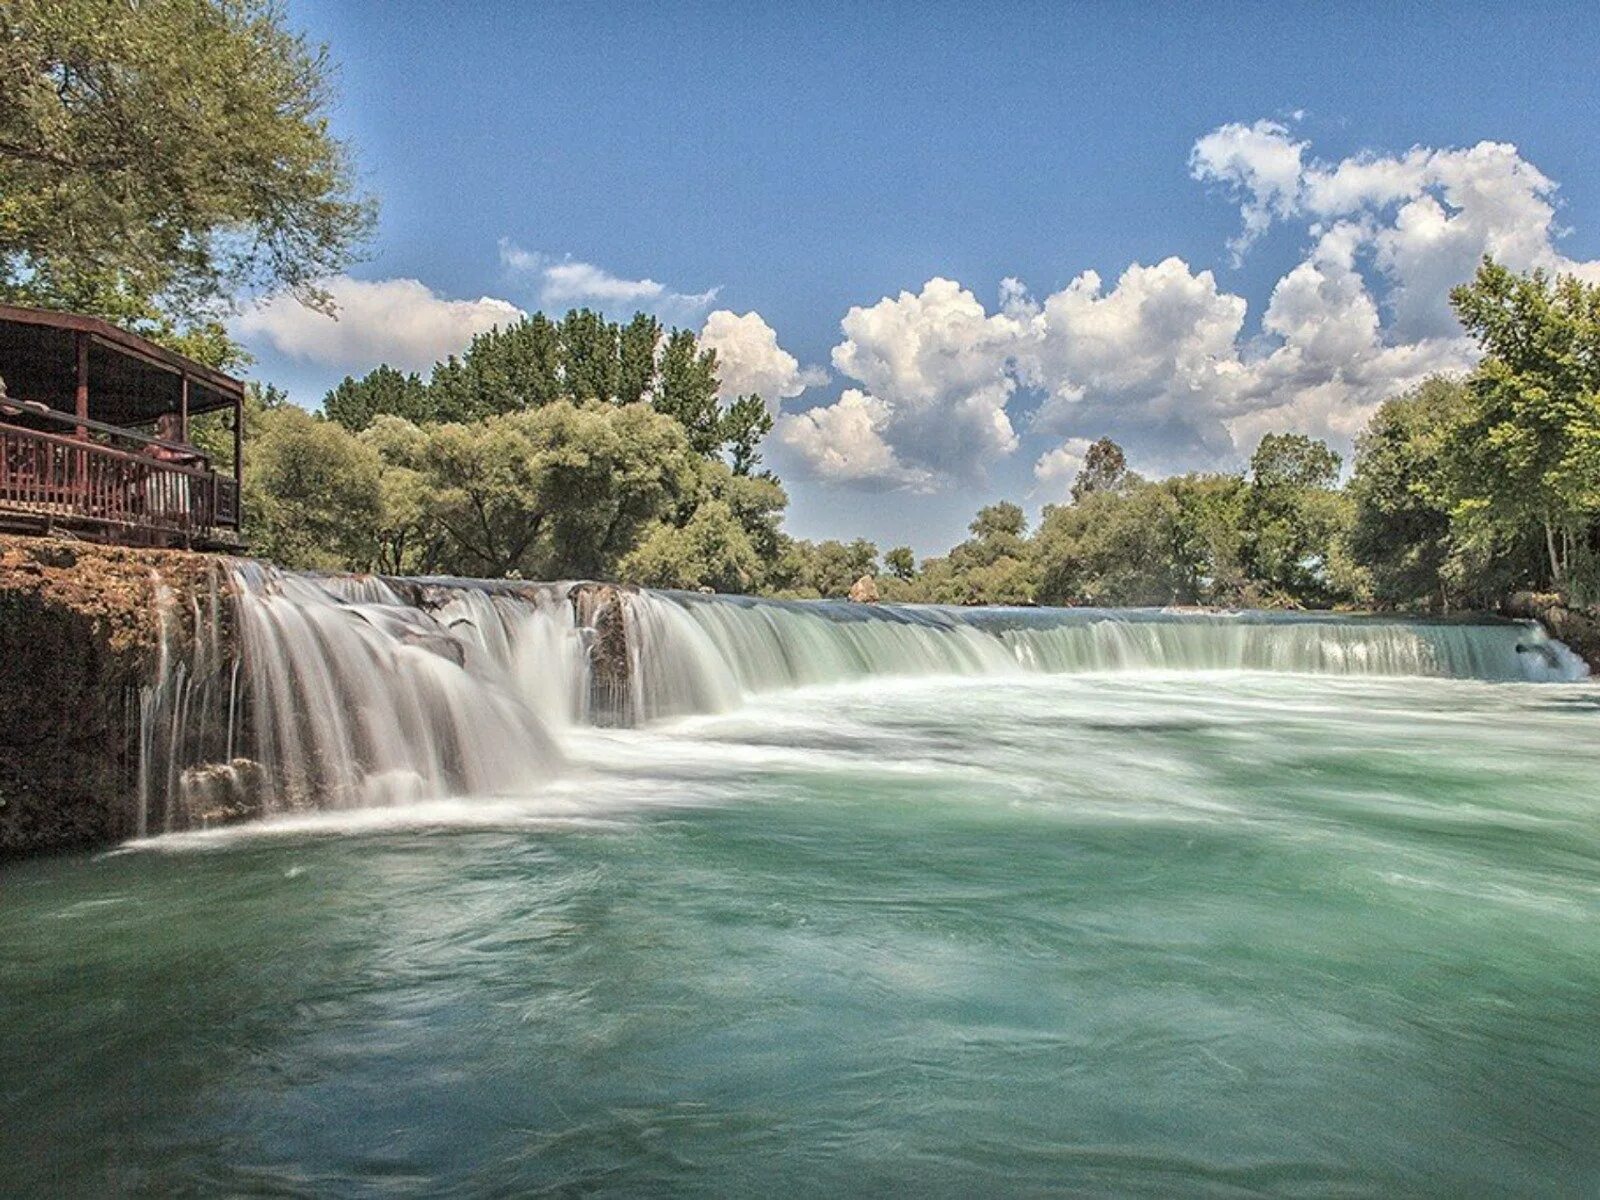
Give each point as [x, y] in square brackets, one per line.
[59, 477]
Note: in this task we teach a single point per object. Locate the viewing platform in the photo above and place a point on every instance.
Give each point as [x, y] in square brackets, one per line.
[94, 435]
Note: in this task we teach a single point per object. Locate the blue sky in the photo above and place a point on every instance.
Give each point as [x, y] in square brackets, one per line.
[1293, 188]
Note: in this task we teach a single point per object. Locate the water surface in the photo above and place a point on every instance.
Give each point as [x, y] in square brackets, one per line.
[1209, 933]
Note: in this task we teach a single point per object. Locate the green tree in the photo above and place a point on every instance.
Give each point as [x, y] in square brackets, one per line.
[1105, 469]
[711, 550]
[902, 563]
[1295, 521]
[1113, 547]
[686, 391]
[1529, 451]
[744, 425]
[312, 497]
[1401, 491]
[156, 159]
[384, 391]
[559, 492]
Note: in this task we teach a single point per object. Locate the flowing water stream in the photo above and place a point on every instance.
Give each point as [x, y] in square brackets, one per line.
[825, 899]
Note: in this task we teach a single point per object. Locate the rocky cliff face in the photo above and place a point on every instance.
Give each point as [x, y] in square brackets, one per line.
[80, 634]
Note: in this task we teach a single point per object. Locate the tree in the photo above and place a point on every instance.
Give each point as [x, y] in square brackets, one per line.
[1401, 491]
[1113, 547]
[158, 158]
[1529, 451]
[559, 492]
[1293, 460]
[384, 391]
[745, 423]
[686, 391]
[311, 492]
[901, 562]
[1294, 520]
[1105, 469]
[710, 550]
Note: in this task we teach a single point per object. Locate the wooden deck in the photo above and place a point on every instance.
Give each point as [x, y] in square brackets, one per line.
[59, 482]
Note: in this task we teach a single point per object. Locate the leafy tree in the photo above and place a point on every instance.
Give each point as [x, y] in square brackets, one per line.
[407, 540]
[743, 426]
[158, 158]
[560, 492]
[504, 369]
[1529, 450]
[311, 491]
[636, 358]
[355, 403]
[710, 550]
[590, 356]
[1401, 491]
[1293, 460]
[902, 563]
[1105, 469]
[1113, 547]
[686, 391]
[1294, 519]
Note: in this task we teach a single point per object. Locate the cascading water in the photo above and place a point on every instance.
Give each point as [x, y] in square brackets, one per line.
[354, 691]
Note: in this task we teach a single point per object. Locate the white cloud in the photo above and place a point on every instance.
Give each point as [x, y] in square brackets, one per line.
[1162, 331]
[567, 283]
[1260, 164]
[749, 359]
[940, 366]
[1055, 470]
[398, 321]
[1164, 359]
[1427, 216]
[843, 442]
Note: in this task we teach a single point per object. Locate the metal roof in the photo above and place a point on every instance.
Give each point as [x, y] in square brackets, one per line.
[132, 381]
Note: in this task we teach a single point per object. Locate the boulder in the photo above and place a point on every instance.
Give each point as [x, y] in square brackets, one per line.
[864, 591]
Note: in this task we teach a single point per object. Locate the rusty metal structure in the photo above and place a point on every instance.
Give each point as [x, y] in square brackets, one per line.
[94, 435]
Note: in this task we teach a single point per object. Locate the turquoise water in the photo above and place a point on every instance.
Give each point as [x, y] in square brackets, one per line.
[1140, 934]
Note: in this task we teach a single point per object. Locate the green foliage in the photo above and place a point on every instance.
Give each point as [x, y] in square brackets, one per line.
[1527, 455]
[355, 403]
[1401, 491]
[312, 492]
[158, 158]
[711, 550]
[901, 563]
[744, 425]
[1105, 469]
[1296, 521]
[686, 390]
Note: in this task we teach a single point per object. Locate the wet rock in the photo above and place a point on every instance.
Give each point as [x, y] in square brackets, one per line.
[80, 627]
[600, 609]
[223, 793]
[1579, 628]
[864, 590]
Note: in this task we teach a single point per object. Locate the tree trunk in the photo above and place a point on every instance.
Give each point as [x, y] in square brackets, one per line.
[1555, 562]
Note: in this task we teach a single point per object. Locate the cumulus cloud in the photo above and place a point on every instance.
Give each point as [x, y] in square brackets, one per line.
[567, 283]
[402, 322]
[1260, 164]
[940, 366]
[1427, 215]
[749, 359]
[1164, 358]
[843, 442]
[1055, 470]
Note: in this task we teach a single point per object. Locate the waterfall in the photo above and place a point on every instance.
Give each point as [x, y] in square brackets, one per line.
[297, 691]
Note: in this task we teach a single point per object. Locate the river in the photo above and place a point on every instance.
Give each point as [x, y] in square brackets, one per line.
[1301, 927]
